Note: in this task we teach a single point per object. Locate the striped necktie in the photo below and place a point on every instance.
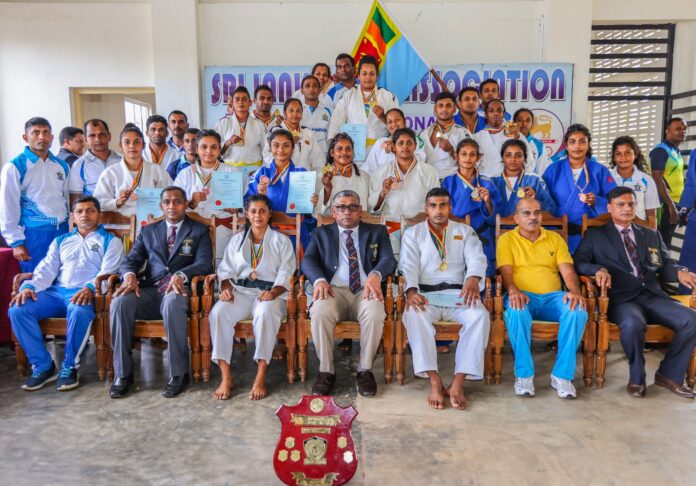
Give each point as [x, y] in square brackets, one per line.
[632, 250]
[353, 263]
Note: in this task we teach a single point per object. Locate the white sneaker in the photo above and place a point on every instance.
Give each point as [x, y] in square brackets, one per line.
[564, 388]
[524, 387]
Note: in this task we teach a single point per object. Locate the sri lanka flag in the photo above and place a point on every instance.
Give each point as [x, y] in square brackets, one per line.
[400, 65]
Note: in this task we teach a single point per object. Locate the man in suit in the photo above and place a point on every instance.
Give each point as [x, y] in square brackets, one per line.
[171, 251]
[347, 262]
[631, 261]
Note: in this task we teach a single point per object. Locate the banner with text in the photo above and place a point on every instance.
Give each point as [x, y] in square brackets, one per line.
[544, 88]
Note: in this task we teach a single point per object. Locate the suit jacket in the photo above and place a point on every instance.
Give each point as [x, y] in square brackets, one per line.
[192, 253]
[321, 257]
[603, 247]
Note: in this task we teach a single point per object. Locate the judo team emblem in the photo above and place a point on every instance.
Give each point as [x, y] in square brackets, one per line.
[315, 447]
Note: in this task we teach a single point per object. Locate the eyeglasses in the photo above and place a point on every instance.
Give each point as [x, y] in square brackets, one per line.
[351, 207]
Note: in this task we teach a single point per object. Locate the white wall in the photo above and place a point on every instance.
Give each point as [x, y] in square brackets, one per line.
[46, 48]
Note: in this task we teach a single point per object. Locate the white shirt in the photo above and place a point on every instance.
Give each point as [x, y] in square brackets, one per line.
[189, 181]
[277, 263]
[378, 156]
[75, 262]
[38, 198]
[419, 259]
[306, 152]
[644, 187]
[491, 164]
[250, 153]
[86, 170]
[632, 236]
[172, 155]
[118, 178]
[351, 109]
[438, 158]
[409, 199]
[341, 277]
[317, 119]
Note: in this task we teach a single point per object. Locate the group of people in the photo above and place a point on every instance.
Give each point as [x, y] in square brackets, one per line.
[476, 160]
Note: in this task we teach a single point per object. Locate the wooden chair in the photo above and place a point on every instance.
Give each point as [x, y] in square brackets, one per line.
[542, 330]
[347, 329]
[608, 331]
[155, 328]
[122, 227]
[444, 330]
[243, 330]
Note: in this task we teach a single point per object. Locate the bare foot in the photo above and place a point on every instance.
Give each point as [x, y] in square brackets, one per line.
[443, 349]
[279, 351]
[436, 398]
[258, 390]
[456, 392]
[224, 391]
[345, 345]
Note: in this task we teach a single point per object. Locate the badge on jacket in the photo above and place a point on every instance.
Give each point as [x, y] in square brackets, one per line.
[186, 247]
[375, 248]
[654, 256]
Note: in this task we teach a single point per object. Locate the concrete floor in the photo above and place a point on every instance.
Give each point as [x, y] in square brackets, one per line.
[603, 437]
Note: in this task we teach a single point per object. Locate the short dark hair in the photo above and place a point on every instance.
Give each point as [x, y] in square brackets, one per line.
[86, 199]
[368, 60]
[192, 131]
[321, 64]
[514, 142]
[438, 192]
[173, 189]
[673, 120]
[178, 112]
[95, 122]
[578, 127]
[261, 87]
[68, 133]
[403, 131]
[495, 100]
[488, 81]
[155, 119]
[523, 110]
[241, 89]
[467, 88]
[131, 128]
[307, 78]
[257, 198]
[397, 110]
[343, 55]
[35, 122]
[201, 134]
[280, 132]
[445, 95]
[619, 191]
[290, 101]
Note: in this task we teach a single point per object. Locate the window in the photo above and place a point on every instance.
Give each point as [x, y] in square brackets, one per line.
[137, 112]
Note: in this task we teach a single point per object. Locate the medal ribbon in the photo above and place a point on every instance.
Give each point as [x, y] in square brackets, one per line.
[155, 159]
[397, 172]
[507, 182]
[347, 171]
[256, 255]
[439, 242]
[469, 184]
[368, 102]
[242, 127]
[206, 181]
[138, 178]
[587, 178]
[444, 129]
[278, 176]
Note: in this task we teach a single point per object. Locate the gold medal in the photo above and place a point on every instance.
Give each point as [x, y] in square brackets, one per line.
[327, 169]
[443, 266]
[520, 193]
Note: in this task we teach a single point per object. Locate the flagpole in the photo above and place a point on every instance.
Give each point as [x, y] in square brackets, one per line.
[439, 80]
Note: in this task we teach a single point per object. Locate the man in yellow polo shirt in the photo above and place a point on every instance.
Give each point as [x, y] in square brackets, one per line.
[529, 259]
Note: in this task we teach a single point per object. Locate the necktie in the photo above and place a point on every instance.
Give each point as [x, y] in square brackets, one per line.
[164, 283]
[353, 264]
[632, 250]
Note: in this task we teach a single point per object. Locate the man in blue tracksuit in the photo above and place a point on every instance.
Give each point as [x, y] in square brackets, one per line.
[33, 196]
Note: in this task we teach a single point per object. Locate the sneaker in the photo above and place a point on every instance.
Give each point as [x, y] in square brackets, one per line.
[564, 388]
[524, 387]
[67, 379]
[39, 378]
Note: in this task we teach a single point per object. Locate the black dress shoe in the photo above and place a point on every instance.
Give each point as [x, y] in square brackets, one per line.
[120, 387]
[636, 390]
[175, 386]
[324, 384]
[367, 386]
[676, 388]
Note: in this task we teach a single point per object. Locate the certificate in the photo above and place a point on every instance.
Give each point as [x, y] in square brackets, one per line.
[302, 188]
[227, 190]
[148, 203]
[444, 299]
[357, 132]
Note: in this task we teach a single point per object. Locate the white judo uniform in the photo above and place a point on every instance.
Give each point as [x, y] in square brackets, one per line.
[419, 262]
[171, 156]
[379, 157]
[351, 109]
[491, 164]
[306, 153]
[358, 183]
[248, 155]
[438, 158]
[118, 178]
[277, 265]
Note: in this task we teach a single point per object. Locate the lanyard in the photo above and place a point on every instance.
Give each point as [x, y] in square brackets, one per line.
[138, 178]
[206, 181]
[278, 175]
